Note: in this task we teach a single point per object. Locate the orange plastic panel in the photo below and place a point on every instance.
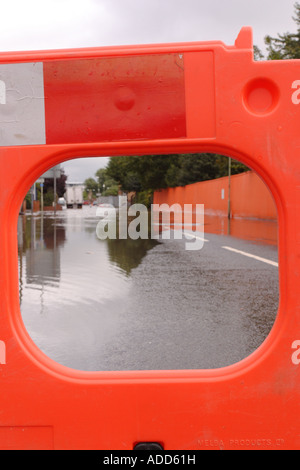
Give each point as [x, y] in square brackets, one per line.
[109, 99]
[249, 196]
[199, 97]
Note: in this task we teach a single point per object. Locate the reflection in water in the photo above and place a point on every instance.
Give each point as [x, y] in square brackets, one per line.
[259, 231]
[142, 304]
[128, 254]
[38, 240]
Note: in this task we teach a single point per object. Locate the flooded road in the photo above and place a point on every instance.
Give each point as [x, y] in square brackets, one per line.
[99, 305]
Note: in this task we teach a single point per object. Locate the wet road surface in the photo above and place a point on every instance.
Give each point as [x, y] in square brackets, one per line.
[142, 304]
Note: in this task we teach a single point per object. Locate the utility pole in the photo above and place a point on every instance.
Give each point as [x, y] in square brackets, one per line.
[54, 189]
[32, 198]
[41, 181]
[229, 188]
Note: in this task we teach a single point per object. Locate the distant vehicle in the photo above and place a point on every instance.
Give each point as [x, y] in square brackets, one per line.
[74, 195]
[105, 210]
[62, 202]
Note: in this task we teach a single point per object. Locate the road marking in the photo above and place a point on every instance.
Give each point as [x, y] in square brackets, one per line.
[258, 258]
[187, 234]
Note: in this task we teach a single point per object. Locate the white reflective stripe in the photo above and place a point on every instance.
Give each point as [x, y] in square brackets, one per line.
[2, 353]
[258, 258]
[2, 92]
[22, 104]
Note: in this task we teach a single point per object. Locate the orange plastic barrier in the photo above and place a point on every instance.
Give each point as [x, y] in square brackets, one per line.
[249, 196]
[175, 98]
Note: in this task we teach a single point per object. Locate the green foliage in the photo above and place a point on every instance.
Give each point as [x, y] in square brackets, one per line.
[101, 176]
[48, 191]
[258, 55]
[144, 197]
[28, 200]
[151, 172]
[49, 197]
[112, 190]
[106, 184]
[192, 168]
[140, 173]
[91, 184]
[285, 46]
[222, 164]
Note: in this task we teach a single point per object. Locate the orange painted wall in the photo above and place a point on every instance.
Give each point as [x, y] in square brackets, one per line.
[250, 197]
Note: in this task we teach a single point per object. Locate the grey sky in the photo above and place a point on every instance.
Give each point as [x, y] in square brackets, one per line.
[60, 24]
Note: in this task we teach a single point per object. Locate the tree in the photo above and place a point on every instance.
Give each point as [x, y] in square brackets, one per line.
[153, 169]
[101, 176]
[90, 188]
[49, 197]
[151, 172]
[192, 168]
[91, 184]
[140, 173]
[49, 188]
[61, 184]
[123, 170]
[285, 46]
[107, 185]
[258, 55]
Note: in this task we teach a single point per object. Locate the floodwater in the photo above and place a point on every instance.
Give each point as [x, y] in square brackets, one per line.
[98, 305]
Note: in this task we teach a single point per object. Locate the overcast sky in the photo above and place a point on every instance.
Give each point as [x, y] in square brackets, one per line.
[59, 24]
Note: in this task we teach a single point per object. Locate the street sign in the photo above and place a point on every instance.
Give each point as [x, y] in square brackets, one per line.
[53, 171]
